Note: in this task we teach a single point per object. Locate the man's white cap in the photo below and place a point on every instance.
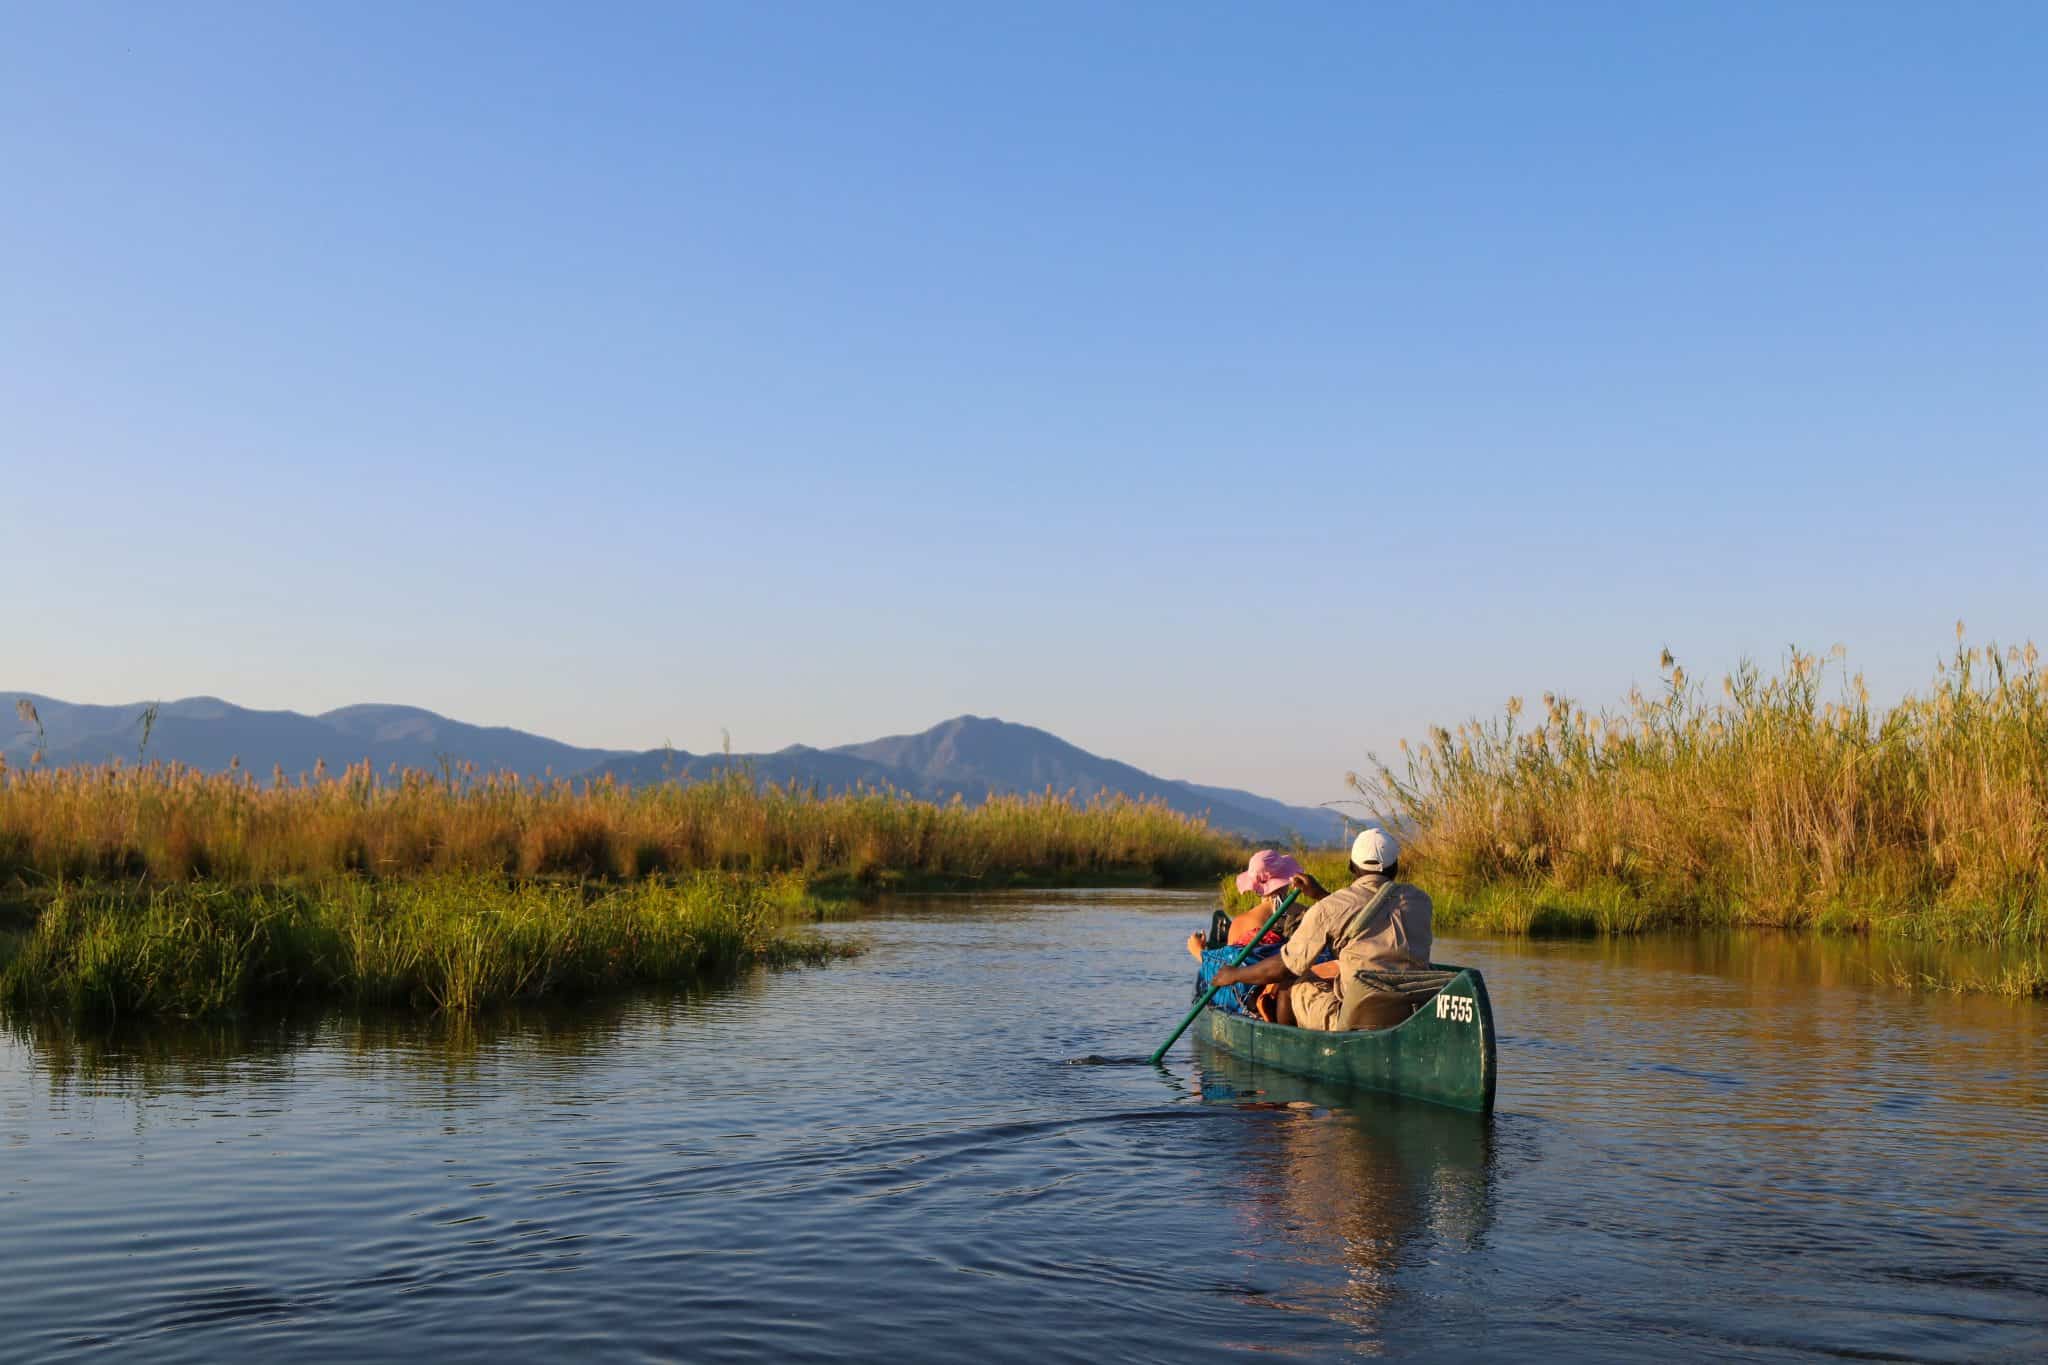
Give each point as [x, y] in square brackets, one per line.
[1374, 850]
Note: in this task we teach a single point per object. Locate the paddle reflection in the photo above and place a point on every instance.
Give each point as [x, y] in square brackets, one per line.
[1385, 1183]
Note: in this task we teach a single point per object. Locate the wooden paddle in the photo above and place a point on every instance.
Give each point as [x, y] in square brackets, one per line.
[1286, 902]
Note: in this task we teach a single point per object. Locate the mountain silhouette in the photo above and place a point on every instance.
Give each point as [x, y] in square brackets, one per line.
[208, 733]
[969, 757]
[974, 756]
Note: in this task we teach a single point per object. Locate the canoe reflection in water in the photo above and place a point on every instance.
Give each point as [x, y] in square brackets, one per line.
[1387, 1184]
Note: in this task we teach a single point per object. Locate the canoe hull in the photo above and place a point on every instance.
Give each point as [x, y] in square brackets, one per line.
[1444, 1053]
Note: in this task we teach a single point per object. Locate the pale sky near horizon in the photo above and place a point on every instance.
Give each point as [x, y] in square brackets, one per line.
[1231, 390]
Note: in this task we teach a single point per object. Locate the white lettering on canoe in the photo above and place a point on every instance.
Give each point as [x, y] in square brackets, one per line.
[1456, 1008]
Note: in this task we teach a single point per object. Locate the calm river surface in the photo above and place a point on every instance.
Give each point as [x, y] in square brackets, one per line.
[1735, 1147]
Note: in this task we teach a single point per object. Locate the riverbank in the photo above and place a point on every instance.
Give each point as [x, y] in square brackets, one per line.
[160, 890]
[1770, 807]
[449, 943]
[1535, 911]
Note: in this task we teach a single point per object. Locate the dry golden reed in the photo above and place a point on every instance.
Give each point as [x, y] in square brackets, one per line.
[164, 823]
[1782, 800]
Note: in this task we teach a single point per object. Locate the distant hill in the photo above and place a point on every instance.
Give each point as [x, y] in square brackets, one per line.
[973, 756]
[1320, 824]
[975, 751]
[968, 756]
[208, 733]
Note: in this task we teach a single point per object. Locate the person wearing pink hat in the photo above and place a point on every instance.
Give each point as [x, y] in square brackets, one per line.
[1269, 873]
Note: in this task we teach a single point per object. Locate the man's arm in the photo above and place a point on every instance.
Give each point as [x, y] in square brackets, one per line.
[1309, 888]
[1270, 972]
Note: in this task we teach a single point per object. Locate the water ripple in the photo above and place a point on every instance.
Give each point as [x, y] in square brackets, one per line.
[931, 1153]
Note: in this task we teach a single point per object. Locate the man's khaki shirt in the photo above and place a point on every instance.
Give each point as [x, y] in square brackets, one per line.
[1396, 938]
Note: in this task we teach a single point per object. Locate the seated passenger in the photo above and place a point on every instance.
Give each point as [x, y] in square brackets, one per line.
[1376, 924]
[1267, 875]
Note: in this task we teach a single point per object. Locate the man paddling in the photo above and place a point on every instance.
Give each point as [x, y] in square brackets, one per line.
[1376, 924]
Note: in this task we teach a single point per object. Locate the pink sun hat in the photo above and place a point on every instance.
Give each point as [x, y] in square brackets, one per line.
[1268, 872]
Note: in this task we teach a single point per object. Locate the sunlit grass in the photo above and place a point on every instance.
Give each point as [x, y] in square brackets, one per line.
[171, 824]
[1767, 804]
[161, 890]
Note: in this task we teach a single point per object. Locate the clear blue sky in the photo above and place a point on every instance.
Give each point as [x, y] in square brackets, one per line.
[1229, 388]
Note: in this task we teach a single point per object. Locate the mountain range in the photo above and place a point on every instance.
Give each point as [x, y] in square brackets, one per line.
[967, 756]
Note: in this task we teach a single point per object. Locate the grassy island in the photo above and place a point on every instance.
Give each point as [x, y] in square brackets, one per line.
[444, 942]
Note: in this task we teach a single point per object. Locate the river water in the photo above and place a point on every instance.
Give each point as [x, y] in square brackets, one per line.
[1729, 1146]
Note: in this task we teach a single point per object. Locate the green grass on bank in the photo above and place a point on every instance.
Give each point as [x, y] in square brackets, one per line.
[452, 943]
[1534, 909]
[1518, 908]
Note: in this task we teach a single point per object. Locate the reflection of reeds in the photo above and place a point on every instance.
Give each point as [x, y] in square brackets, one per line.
[1768, 805]
[447, 942]
[154, 1055]
[2026, 977]
[166, 823]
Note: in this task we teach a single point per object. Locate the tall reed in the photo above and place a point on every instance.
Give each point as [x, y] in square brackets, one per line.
[1772, 803]
[166, 823]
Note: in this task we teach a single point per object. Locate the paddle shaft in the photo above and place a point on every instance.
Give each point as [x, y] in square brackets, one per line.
[1286, 902]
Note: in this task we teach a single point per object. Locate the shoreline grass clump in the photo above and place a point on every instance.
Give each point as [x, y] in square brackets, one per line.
[450, 943]
[1771, 804]
[163, 890]
[165, 823]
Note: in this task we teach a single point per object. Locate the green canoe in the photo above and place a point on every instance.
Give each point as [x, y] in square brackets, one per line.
[1443, 1053]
